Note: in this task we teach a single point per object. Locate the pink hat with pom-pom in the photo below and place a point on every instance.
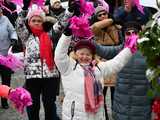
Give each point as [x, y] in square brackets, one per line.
[36, 12]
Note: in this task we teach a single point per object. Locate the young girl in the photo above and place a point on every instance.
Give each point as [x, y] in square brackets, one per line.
[41, 74]
[83, 81]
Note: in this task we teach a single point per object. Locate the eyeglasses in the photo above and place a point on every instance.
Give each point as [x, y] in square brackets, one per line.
[99, 15]
[128, 33]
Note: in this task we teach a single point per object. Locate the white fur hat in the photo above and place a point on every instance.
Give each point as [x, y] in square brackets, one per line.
[52, 2]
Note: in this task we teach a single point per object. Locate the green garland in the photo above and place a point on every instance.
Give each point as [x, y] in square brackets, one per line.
[149, 45]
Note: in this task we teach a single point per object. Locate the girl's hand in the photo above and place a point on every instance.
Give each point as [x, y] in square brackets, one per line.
[45, 9]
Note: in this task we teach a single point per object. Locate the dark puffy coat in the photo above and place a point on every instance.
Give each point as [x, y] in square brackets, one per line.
[130, 97]
[135, 15]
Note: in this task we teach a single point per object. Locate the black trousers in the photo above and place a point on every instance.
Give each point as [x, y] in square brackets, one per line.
[112, 94]
[6, 80]
[47, 87]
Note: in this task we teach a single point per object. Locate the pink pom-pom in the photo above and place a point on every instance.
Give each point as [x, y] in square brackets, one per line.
[20, 98]
[39, 3]
[86, 8]
[80, 26]
[12, 62]
[1, 1]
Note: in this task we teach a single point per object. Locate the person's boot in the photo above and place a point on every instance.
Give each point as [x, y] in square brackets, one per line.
[106, 114]
[4, 103]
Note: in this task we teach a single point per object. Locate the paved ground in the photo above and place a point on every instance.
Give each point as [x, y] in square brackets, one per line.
[12, 114]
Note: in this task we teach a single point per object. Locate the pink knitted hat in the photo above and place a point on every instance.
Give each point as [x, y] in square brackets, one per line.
[36, 12]
[100, 9]
[85, 44]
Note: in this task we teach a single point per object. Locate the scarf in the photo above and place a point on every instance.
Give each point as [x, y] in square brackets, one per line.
[45, 46]
[93, 91]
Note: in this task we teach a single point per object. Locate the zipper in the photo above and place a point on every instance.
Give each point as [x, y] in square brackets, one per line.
[39, 55]
[72, 109]
[42, 67]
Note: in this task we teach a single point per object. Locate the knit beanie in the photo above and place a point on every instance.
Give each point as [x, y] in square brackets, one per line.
[52, 2]
[85, 44]
[100, 9]
[36, 12]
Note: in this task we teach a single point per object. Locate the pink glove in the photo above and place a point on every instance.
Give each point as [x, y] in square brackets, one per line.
[1, 1]
[131, 43]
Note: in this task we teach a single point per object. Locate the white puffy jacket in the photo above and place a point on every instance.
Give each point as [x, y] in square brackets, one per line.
[73, 80]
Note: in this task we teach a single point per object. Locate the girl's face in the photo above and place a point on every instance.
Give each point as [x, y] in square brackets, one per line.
[84, 56]
[36, 22]
[102, 15]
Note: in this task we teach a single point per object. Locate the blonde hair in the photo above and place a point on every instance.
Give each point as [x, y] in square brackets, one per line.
[52, 2]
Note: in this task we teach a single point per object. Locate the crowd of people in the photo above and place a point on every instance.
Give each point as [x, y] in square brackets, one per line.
[84, 68]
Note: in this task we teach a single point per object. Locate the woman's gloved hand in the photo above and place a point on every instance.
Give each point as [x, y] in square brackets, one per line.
[131, 42]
